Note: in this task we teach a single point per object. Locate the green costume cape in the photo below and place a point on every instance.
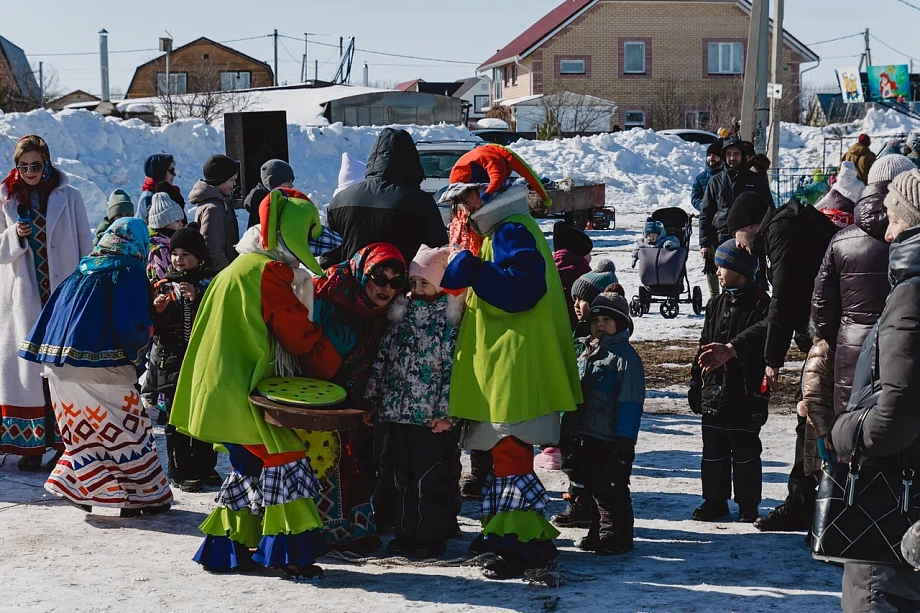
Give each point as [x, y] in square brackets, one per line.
[513, 367]
[229, 352]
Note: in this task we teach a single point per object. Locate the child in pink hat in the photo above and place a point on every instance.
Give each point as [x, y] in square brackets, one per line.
[409, 388]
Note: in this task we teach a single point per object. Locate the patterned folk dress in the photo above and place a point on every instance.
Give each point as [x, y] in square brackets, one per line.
[30, 431]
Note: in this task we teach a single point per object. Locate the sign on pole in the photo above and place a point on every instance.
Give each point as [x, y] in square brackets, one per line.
[850, 86]
[775, 91]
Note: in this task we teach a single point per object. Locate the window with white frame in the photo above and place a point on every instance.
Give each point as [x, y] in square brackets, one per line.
[726, 58]
[178, 83]
[634, 119]
[480, 103]
[233, 80]
[497, 83]
[634, 58]
[571, 67]
[514, 75]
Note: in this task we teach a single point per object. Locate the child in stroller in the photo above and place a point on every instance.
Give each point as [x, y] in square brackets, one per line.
[662, 261]
[655, 236]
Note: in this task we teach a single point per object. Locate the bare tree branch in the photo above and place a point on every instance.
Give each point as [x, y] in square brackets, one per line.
[572, 111]
[205, 99]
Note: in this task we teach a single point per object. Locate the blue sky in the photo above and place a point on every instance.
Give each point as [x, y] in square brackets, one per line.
[465, 30]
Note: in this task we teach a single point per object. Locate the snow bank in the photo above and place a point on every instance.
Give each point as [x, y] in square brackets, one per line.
[102, 154]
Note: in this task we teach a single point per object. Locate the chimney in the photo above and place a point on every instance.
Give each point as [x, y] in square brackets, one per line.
[104, 63]
[365, 74]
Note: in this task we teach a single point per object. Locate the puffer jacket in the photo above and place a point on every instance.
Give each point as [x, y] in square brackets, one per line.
[818, 396]
[851, 287]
[889, 359]
[410, 383]
[613, 384]
[219, 226]
[721, 192]
[732, 392]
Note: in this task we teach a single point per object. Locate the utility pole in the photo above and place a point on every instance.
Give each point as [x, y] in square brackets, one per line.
[341, 42]
[315, 70]
[776, 104]
[868, 50]
[104, 63]
[276, 56]
[303, 65]
[754, 108]
[41, 84]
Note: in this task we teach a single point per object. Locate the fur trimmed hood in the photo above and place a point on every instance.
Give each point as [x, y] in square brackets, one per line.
[454, 307]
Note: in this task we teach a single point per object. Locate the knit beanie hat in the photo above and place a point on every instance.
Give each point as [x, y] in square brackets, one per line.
[219, 169]
[903, 199]
[732, 257]
[653, 227]
[156, 166]
[864, 140]
[352, 171]
[848, 183]
[913, 142]
[888, 167]
[747, 210]
[714, 148]
[569, 237]
[430, 264]
[613, 306]
[163, 211]
[276, 172]
[119, 205]
[589, 285]
[192, 241]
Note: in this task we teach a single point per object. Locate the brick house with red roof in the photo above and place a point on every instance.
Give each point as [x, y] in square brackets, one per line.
[660, 61]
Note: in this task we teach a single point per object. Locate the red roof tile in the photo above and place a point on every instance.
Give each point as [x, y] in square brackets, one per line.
[538, 31]
[406, 85]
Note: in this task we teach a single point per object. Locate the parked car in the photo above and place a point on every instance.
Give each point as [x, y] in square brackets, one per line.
[500, 137]
[438, 159]
[693, 136]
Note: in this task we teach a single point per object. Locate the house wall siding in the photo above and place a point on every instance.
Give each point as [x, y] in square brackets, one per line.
[676, 34]
[189, 60]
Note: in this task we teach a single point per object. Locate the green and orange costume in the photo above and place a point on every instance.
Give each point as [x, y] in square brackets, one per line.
[249, 320]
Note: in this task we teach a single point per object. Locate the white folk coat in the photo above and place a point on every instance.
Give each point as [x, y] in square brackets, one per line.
[69, 239]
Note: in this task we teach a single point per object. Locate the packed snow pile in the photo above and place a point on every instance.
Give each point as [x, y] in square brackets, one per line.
[642, 170]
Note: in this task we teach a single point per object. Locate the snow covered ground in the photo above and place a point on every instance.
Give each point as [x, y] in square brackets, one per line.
[55, 558]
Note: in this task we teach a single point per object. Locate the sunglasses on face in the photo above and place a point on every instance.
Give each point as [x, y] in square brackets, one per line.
[380, 280]
[34, 167]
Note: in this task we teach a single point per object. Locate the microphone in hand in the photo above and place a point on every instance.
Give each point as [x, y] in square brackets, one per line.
[24, 214]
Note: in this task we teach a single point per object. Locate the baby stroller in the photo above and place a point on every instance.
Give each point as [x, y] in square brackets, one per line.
[663, 273]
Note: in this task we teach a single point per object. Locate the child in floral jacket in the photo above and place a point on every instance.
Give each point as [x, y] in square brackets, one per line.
[410, 388]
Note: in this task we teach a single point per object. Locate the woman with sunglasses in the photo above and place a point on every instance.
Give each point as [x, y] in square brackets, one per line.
[351, 301]
[159, 168]
[44, 232]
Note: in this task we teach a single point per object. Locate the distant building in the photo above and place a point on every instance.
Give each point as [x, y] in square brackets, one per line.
[474, 91]
[19, 88]
[199, 66]
[666, 63]
[77, 97]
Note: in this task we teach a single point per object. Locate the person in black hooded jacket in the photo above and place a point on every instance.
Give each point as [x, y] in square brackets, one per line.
[891, 429]
[794, 239]
[389, 206]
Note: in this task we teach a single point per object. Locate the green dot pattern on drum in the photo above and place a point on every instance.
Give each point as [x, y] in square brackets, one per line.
[301, 391]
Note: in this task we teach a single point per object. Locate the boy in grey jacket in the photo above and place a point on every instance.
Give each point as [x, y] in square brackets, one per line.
[600, 437]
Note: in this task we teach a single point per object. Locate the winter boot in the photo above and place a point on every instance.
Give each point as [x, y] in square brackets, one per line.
[614, 547]
[401, 546]
[503, 568]
[587, 543]
[577, 515]
[710, 510]
[784, 519]
[429, 548]
[748, 514]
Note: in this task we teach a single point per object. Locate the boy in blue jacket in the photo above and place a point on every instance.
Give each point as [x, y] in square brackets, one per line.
[600, 437]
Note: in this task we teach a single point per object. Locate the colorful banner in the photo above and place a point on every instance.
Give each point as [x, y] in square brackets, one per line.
[850, 86]
[889, 82]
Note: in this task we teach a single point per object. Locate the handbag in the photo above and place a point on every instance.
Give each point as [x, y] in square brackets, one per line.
[863, 508]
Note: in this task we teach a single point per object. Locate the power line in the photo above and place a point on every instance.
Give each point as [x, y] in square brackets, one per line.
[833, 40]
[407, 57]
[76, 53]
[913, 6]
[883, 43]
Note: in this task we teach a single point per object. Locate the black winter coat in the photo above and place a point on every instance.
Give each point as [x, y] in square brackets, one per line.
[732, 392]
[794, 239]
[388, 206]
[851, 288]
[893, 425]
[723, 188]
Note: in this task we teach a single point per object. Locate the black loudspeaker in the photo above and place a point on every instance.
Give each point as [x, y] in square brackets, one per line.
[253, 139]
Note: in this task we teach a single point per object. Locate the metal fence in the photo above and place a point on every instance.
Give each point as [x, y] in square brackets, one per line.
[807, 185]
